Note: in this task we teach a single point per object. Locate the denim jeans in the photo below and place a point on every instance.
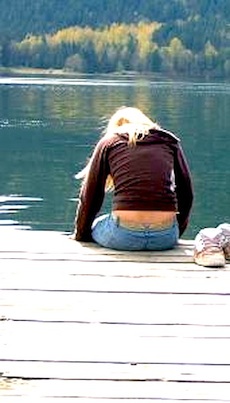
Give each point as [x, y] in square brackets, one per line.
[107, 232]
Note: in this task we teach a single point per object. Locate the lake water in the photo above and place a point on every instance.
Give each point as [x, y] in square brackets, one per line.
[48, 127]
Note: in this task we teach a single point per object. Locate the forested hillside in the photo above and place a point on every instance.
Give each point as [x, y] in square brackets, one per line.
[189, 37]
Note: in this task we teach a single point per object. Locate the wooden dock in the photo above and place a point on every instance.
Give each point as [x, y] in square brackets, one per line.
[79, 322]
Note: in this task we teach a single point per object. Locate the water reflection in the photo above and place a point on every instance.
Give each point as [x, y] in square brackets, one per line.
[11, 205]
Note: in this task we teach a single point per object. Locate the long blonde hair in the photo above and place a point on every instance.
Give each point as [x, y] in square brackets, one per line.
[128, 120]
[132, 121]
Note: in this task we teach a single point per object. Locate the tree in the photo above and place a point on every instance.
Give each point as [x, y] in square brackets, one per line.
[211, 56]
[75, 63]
[175, 57]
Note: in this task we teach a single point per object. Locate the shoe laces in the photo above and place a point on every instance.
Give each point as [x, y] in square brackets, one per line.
[214, 244]
[225, 231]
[226, 238]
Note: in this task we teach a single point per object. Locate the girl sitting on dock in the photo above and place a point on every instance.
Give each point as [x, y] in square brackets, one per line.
[145, 166]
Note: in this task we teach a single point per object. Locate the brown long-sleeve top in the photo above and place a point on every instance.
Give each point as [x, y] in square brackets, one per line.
[151, 175]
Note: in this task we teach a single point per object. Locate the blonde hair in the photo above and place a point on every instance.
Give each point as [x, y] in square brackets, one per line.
[126, 120]
[132, 121]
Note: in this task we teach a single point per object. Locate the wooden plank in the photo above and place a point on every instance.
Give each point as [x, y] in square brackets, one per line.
[116, 390]
[116, 371]
[50, 342]
[142, 332]
[111, 308]
[45, 245]
[142, 257]
[53, 241]
[25, 399]
[34, 281]
[114, 268]
[68, 301]
[77, 257]
[138, 270]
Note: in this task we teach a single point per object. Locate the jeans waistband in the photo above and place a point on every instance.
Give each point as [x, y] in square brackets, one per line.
[142, 226]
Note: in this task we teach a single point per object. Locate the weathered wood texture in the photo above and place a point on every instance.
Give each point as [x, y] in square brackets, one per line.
[82, 322]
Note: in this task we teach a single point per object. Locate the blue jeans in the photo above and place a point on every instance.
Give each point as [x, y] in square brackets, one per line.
[107, 231]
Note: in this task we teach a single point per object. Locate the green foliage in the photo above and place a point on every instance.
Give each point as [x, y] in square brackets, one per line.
[190, 37]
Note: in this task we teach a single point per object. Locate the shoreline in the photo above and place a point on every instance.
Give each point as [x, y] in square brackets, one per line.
[38, 72]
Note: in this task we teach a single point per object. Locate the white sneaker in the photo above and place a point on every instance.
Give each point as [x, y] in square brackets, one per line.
[225, 229]
[209, 248]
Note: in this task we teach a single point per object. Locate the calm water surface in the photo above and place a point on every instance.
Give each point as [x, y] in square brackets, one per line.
[48, 127]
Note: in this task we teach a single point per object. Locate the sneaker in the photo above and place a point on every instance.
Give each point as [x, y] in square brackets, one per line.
[209, 248]
[225, 229]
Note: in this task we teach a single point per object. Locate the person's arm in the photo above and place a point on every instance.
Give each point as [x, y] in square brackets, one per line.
[91, 193]
[184, 189]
